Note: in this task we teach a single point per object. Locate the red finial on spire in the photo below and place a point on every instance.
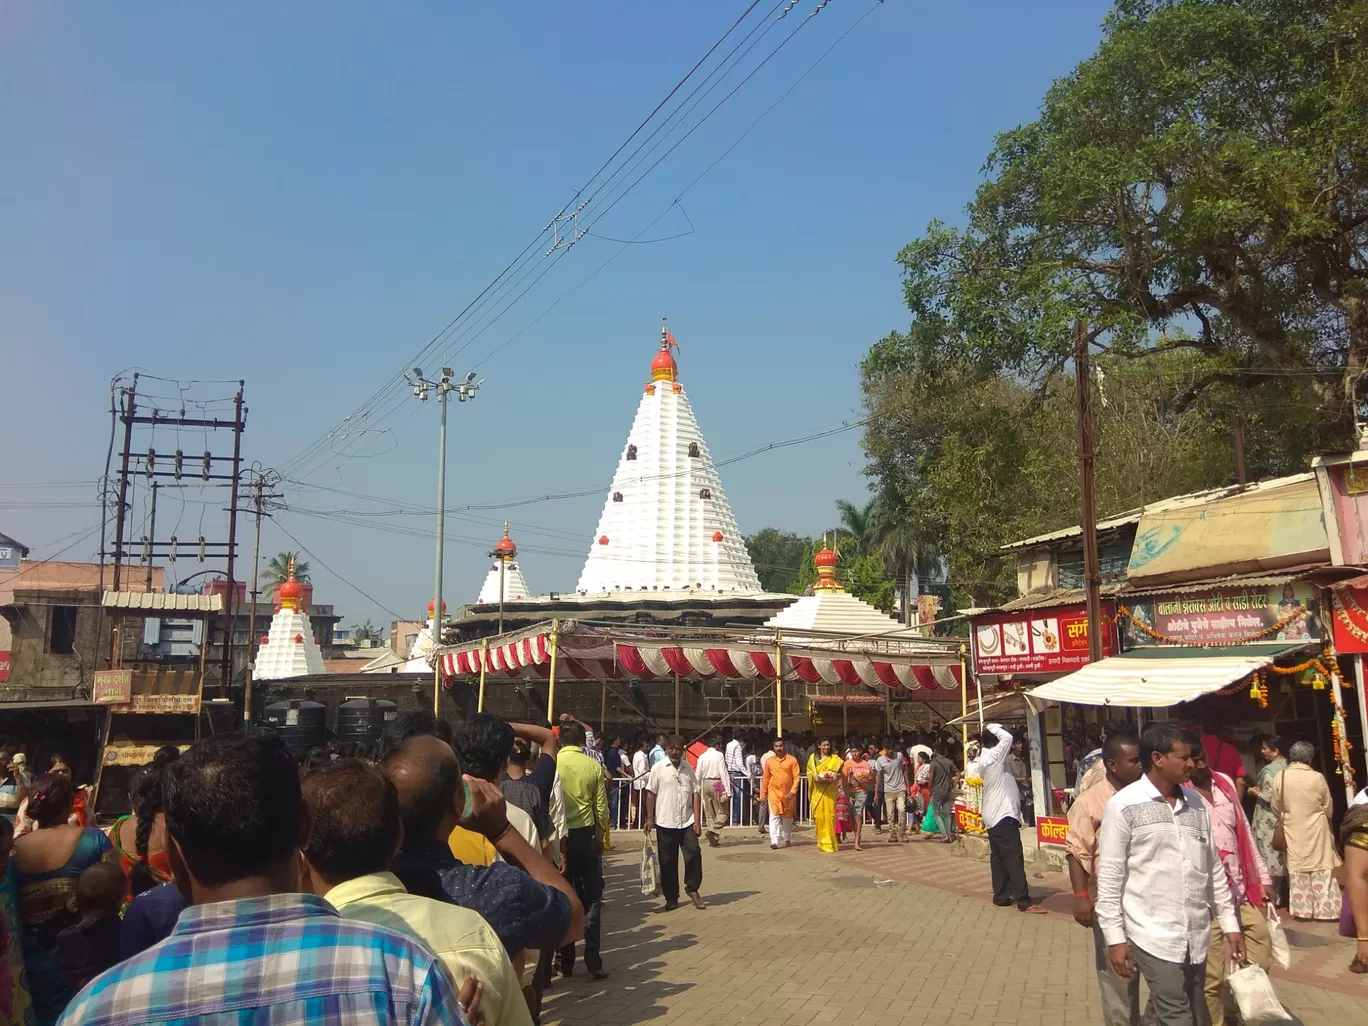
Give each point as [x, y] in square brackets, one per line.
[663, 367]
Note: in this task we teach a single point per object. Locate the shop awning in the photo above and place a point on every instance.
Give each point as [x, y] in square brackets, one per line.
[1158, 676]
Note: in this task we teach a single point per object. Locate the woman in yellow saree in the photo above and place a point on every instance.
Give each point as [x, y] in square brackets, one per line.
[824, 781]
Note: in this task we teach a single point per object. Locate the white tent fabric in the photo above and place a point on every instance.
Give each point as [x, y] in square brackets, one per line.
[1151, 678]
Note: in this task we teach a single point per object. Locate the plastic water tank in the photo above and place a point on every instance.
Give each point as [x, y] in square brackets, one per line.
[299, 722]
[360, 720]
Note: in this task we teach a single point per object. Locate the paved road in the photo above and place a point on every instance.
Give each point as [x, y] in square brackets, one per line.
[891, 935]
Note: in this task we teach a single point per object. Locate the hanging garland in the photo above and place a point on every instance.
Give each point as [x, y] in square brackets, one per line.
[1343, 604]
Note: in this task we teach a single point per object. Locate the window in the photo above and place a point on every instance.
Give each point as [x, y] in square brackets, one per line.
[62, 630]
[631, 452]
[693, 449]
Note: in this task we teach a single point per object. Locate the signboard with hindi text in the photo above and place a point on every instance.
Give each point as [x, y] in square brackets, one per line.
[967, 821]
[1049, 640]
[112, 687]
[1051, 829]
[1224, 616]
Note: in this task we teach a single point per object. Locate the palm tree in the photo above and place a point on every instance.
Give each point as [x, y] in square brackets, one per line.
[857, 521]
[278, 569]
[908, 555]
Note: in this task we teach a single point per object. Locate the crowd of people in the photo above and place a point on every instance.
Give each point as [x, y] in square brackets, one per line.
[450, 875]
[1177, 882]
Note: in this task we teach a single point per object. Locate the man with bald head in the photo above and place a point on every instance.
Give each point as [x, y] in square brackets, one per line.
[536, 909]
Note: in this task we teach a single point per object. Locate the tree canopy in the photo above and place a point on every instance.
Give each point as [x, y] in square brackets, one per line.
[1196, 193]
[278, 568]
[1199, 183]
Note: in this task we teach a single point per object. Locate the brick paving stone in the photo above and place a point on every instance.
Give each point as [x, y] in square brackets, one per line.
[900, 933]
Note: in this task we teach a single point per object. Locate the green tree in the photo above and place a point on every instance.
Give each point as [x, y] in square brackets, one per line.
[778, 557]
[859, 522]
[366, 632]
[1200, 184]
[278, 568]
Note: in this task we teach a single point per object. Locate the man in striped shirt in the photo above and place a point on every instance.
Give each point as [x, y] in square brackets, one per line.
[250, 947]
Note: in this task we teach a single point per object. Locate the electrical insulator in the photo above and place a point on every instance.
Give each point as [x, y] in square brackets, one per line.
[201, 549]
[208, 458]
[180, 461]
[151, 461]
[146, 552]
[171, 553]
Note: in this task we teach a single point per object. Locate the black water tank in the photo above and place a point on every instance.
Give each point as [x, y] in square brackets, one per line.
[299, 722]
[360, 720]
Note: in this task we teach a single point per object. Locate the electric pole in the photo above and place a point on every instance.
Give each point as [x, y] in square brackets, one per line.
[1092, 571]
[260, 497]
[464, 390]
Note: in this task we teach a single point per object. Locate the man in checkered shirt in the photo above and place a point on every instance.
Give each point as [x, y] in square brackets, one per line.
[250, 946]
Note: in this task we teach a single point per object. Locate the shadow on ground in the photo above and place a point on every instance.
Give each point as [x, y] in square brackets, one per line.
[635, 936]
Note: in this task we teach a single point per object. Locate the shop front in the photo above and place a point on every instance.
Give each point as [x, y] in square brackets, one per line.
[1233, 660]
[1023, 645]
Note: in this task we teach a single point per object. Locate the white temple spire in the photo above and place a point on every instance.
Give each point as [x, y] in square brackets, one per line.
[505, 571]
[666, 524]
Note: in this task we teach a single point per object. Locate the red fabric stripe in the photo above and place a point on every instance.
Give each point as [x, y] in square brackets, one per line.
[805, 670]
[630, 659]
[845, 669]
[887, 674]
[722, 663]
[764, 664]
[925, 677]
[677, 661]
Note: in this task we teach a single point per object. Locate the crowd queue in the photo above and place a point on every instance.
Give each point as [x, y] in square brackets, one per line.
[1180, 885]
[449, 875]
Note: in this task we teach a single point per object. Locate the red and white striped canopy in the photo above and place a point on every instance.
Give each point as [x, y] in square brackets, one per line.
[598, 655]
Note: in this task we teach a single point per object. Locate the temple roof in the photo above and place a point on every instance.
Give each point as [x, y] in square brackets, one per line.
[666, 525]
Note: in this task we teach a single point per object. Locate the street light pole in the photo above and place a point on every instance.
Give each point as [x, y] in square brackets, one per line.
[464, 390]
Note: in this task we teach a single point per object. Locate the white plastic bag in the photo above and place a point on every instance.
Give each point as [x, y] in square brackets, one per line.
[1277, 939]
[1253, 992]
[650, 870]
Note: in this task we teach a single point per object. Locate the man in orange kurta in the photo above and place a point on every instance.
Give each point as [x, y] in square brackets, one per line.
[779, 786]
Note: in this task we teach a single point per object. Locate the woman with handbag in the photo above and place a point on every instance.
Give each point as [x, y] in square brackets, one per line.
[1302, 803]
[1271, 750]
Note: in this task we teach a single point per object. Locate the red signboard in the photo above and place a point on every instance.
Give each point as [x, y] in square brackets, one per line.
[4, 667]
[967, 821]
[112, 687]
[1051, 829]
[1351, 621]
[1039, 640]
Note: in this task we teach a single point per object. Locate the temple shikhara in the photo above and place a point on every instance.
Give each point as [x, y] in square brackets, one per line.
[666, 525]
[669, 612]
[289, 648]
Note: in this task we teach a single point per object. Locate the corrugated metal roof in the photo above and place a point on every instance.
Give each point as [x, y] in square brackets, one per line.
[161, 602]
[1162, 506]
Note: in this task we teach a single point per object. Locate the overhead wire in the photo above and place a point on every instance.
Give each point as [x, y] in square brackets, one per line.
[363, 419]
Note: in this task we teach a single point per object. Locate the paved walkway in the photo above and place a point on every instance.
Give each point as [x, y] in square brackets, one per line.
[890, 935]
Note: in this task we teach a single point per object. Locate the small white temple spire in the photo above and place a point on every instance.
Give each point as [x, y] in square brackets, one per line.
[666, 524]
[505, 571]
[289, 648]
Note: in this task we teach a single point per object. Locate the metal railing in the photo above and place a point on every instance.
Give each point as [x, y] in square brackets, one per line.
[744, 810]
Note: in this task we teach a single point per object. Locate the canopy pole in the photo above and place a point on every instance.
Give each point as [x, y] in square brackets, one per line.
[845, 719]
[603, 711]
[676, 720]
[888, 711]
[1363, 708]
[551, 685]
[484, 653]
[978, 689]
[1346, 772]
[778, 683]
[964, 703]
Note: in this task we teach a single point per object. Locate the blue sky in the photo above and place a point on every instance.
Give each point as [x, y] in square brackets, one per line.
[303, 195]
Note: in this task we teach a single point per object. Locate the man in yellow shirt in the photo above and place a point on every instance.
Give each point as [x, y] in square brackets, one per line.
[586, 818]
[354, 833]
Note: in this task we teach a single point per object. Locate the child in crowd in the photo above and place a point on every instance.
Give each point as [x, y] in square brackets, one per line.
[91, 946]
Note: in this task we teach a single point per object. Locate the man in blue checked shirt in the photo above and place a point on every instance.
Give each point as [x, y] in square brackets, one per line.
[249, 946]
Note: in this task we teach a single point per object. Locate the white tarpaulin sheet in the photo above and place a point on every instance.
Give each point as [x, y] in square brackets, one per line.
[1155, 677]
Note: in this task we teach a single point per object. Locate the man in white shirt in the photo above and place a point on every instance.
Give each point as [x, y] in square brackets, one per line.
[736, 767]
[715, 783]
[1157, 890]
[1002, 819]
[672, 809]
[640, 767]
